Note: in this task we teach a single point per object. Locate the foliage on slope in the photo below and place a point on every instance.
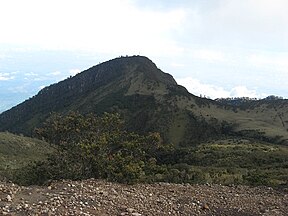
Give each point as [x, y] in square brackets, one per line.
[99, 147]
[150, 100]
[91, 146]
[18, 151]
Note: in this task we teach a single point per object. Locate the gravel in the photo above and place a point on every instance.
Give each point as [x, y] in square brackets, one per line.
[97, 197]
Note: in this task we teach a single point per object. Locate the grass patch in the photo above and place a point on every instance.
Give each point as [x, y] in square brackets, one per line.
[17, 151]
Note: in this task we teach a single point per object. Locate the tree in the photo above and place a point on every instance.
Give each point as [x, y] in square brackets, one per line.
[91, 146]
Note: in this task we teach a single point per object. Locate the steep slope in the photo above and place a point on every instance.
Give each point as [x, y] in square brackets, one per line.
[133, 86]
[149, 100]
[86, 90]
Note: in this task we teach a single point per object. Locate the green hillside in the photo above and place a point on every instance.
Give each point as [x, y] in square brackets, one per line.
[226, 141]
[150, 100]
[233, 161]
[147, 98]
[18, 151]
[89, 146]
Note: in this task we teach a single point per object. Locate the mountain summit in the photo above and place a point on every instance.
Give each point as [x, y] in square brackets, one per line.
[149, 100]
[121, 71]
[108, 86]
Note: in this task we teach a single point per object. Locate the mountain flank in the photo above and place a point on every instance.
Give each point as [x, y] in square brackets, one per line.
[150, 100]
[125, 120]
[18, 151]
[98, 89]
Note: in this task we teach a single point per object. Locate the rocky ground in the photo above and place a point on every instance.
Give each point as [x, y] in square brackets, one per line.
[95, 197]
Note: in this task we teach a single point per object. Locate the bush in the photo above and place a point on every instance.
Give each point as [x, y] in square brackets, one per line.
[90, 146]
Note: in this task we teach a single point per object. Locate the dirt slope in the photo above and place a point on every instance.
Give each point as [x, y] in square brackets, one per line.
[94, 197]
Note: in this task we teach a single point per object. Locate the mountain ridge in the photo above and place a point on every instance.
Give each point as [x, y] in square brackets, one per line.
[127, 74]
[149, 100]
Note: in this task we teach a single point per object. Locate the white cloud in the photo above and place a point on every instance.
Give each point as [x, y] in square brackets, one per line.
[55, 73]
[177, 65]
[270, 60]
[6, 76]
[195, 87]
[209, 55]
[19, 89]
[247, 23]
[31, 74]
[243, 91]
[41, 87]
[106, 26]
[75, 71]
[198, 88]
[3, 56]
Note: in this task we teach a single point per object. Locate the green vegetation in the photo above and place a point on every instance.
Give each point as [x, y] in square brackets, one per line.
[17, 152]
[251, 146]
[90, 146]
[150, 100]
[234, 161]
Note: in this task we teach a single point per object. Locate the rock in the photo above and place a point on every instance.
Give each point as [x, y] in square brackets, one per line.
[130, 210]
[114, 191]
[97, 197]
[205, 207]
[9, 198]
[104, 193]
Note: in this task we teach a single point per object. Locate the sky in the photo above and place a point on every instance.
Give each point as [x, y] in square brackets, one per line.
[215, 48]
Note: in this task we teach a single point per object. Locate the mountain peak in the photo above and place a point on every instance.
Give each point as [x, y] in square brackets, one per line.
[149, 100]
[118, 69]
[134, 65]
[90, 90]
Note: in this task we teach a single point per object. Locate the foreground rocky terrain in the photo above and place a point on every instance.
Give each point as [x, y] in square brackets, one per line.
[95, 197]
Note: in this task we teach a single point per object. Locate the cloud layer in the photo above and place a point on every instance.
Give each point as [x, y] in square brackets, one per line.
[198, 88]
[106, 26]
[6, 76]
